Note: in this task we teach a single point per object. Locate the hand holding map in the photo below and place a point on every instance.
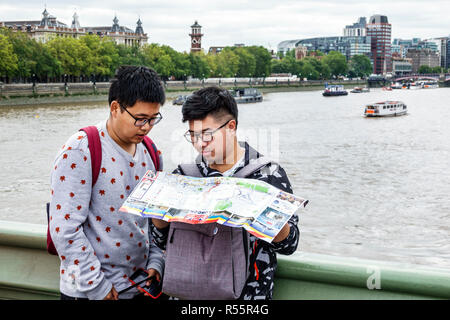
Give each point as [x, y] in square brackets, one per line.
[255, 205]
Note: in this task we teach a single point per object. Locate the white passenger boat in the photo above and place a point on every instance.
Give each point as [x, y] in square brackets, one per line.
[385, 109]
[397, 85]
[430, 84]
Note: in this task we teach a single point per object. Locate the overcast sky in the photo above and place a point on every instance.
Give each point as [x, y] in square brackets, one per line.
[226, 22]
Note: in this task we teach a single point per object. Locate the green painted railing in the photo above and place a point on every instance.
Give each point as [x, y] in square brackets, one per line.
[27, 271]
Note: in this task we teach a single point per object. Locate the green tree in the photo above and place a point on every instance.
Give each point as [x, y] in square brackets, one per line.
[337, 63]
[360, 66]
[436, 69]
[103, 56]
[280, 66]
[8, 61]
[262, 60]
[199, 64]
[247, 62]
[155, 57]
[180, 60]
[424, 69]
[307, 70]
[225, 63]
[47, 66]
[23, 48]
[129, 55]
[74, 56]
[322, 69]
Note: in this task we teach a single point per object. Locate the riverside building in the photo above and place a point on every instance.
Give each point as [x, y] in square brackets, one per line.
[422, 57]
[379, 30]
[348, 46]
[49, 27]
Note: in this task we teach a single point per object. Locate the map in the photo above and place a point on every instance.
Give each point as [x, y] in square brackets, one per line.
[255, 205]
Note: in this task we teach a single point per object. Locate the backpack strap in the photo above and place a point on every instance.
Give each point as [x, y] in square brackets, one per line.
[252, 167]
[191, 170]
[95, 148]
[151, 147]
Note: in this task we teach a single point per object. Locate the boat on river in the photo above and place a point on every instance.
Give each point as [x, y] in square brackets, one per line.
[429, 84]
[30, 273]
[360, 90]
[385, 109]
[179, 100]
[334, 90]
[246, 95]
[397, 85]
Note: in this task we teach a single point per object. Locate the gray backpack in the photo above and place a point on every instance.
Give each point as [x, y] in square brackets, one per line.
[207, 261]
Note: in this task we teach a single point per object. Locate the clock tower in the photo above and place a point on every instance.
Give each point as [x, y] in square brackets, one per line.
[196, 37]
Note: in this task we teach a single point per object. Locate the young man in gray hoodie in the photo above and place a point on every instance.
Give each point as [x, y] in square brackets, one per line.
[100, 247]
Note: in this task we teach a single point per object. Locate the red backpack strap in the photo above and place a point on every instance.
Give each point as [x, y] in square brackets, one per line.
[95, 148]
[151, 147]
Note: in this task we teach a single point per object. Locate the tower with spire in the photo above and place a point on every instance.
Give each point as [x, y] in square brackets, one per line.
[115, 26]
[139, 30]
[45, 18]
[196, 37]
[75, 22]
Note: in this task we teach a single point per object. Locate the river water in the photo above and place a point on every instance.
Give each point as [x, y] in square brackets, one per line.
[378, 188]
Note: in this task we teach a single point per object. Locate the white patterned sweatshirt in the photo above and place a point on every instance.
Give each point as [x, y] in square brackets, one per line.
[99, 246]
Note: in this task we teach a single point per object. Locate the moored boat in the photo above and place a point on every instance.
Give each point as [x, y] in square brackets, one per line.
[246, 95]
[397, 85]
[430, 84]
[360, 90]
[334, 90]
[179, 100]
[414, 85]
[385, 109]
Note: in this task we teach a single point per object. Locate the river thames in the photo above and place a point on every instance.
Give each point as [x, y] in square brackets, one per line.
[378, 187]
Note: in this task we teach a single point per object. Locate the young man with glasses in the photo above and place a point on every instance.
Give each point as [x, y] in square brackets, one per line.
[212, 115]
[99, 247]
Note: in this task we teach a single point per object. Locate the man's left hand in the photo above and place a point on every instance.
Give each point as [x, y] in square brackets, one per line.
[152, 272]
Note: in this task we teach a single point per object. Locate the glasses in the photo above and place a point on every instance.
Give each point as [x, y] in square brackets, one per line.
[206, 136]
[140, 122]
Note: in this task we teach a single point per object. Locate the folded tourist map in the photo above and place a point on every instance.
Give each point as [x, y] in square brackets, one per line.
[255, 205]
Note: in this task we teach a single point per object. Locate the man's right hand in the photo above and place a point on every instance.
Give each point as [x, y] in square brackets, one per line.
[160, 224]
[112, 295]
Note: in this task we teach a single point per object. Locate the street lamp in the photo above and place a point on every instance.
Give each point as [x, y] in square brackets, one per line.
[34, 83]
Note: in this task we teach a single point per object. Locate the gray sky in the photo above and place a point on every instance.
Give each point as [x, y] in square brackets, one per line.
[226, 22]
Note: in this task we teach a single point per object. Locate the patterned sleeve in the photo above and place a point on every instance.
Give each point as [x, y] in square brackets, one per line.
[160, 236]
[277, 177]
[69, 208]
[289, 245]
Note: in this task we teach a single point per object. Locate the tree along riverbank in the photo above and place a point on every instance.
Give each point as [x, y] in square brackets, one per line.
[54, 93]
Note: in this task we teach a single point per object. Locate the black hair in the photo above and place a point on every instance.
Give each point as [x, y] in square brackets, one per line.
[212, 101]
[136, 83]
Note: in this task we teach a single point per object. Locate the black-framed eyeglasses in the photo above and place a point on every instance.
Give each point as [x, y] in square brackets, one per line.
[140, 122]
[206, 136]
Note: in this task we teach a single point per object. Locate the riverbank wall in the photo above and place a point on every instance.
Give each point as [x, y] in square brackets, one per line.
[44, 93]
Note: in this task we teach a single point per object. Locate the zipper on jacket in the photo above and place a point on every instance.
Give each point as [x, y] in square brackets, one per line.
[171, 237]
